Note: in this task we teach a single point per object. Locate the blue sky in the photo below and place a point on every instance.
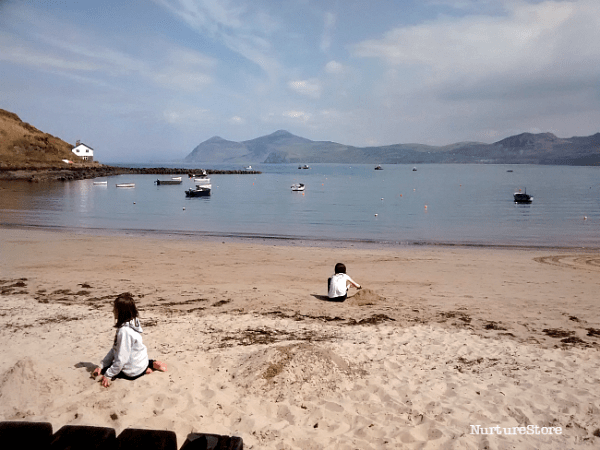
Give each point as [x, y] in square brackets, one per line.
[148, 80]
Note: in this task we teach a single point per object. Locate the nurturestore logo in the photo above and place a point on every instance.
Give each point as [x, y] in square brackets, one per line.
[529, 429]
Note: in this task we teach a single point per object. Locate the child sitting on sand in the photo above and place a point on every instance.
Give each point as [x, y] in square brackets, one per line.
[128, 358]
[338, 289]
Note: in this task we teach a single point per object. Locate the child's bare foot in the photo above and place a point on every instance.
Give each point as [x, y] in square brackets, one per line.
[157, 365]
[160, 366]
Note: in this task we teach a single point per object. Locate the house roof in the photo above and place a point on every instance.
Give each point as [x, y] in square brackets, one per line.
[84, 145]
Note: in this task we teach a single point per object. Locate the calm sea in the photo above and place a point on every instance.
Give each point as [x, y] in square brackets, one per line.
[437, 204]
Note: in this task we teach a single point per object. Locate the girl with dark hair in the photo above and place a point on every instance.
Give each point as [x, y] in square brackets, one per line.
[128, 357]
[339, 283]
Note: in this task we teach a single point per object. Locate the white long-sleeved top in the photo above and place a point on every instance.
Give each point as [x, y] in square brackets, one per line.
[337, 287]
[128, 354]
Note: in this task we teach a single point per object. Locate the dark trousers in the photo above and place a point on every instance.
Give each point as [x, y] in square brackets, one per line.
[127, 377]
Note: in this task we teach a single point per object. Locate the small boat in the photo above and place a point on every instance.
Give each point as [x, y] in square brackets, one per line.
[176, 178]
[509, 170]
[100, 183]
[199, 191]
[171, 181]
[378, 168]
[522, 197]
[249, 168]
[125, 185]
[203, 181]
[202, 174]
[298, 187]
[305, 167]
[414, 169]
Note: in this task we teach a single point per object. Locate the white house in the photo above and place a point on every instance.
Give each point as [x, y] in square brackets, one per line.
[86, 153]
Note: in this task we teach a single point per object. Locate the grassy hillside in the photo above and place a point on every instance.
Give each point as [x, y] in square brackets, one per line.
[24, 145]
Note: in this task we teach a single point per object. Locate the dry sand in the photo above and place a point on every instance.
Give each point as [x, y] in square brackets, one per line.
[440, 339]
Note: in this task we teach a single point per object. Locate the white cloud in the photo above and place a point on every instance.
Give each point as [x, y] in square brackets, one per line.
[300, 116]
[185, 115]
[334, 67]
[239, 29]
[237, 120]
[525, 40]
[310, 88]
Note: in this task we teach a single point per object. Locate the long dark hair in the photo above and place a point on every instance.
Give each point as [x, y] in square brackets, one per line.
[125, 309]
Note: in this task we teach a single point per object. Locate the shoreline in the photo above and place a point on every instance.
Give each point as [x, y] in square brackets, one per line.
[292, 240]
[439, 339]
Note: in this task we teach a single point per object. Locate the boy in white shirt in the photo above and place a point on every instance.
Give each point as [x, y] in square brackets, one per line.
[337, 284]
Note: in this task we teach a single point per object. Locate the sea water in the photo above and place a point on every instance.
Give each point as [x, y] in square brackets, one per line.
[435, 204]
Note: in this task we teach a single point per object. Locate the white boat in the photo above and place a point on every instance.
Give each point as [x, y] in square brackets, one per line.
[202, 181]
[249, 168]
[100, 183]
[125, 185]
[176, 178]
[298, 187]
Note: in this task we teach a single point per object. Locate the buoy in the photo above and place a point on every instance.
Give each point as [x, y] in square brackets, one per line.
[184, 208]
[375, 215]
[425, 206]
[584, 217]
[381, 198]
[400, 195]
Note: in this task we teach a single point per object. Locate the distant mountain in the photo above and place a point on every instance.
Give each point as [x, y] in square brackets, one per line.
[22, 144]
[284, 147]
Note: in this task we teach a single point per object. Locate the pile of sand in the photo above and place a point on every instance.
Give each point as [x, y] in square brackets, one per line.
[365, 297]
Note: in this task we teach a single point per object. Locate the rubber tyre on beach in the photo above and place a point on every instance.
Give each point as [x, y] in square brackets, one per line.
[26, 434]
[73, 437]
[202, 441]
[137, 439]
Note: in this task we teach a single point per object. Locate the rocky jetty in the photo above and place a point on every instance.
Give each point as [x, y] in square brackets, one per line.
[42, 173]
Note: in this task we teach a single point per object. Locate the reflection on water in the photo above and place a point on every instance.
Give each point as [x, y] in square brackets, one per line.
[438, 203]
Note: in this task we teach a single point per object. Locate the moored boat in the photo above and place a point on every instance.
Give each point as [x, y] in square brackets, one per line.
[171, 181]
[199, 191]
[202, 181]
[378, 167]
[125, 185]
[522, 197]
[298, 187]
[100, 183]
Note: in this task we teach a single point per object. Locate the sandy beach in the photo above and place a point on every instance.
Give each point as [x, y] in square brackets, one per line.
[440, 341]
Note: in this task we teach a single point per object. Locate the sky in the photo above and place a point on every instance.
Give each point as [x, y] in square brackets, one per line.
[149, 80]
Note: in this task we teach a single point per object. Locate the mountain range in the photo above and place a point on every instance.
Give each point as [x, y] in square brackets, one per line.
[284, 147]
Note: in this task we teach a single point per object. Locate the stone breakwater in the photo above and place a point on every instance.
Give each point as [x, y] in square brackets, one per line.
[38, 174]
